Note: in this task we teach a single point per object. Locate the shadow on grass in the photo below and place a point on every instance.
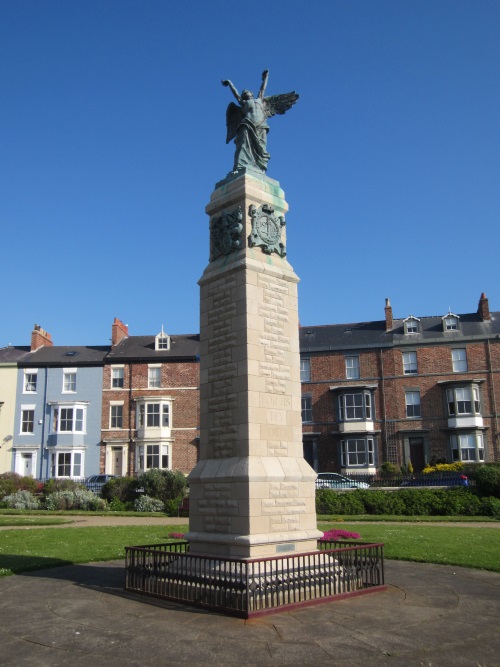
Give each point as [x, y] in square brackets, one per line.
[20, 564]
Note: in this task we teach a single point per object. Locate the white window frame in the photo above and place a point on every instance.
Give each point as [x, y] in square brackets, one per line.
[352, 367]
[154, 452]
[413, 404]
[147, 413]
[76, 418]
[459, 360]
[112, 406]
[411, 325]
[162, 342]
[69, 381]
[154, 376]
[463, 444]
[117, 377]
[450, 322]
[305, 370]
[357, 452]
[410, 363]
[355, 406]
[24, 409]
[67, 461]
[464, 400]
[30, 386]
[306, 408]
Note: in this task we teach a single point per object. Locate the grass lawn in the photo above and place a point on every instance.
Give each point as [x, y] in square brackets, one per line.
[448, 545]
[32, 520]
[25, 550]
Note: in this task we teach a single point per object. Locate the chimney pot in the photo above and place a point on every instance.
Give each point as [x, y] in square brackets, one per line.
[388, 315]
[119, 331]
[483, 308]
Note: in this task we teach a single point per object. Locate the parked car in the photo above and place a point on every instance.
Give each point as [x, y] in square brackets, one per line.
[438, 479]
[332, 480]
[96, 482]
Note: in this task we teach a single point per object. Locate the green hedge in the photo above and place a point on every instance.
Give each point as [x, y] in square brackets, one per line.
[407, 502]
[488, 479]
[167, 486]
[11, 482]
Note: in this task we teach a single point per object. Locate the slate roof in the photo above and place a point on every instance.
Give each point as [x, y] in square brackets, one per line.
[363, 335]
[66, 356]
[142, 348]
[12, 353]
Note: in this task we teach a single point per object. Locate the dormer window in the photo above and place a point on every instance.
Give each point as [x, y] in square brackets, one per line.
[162, 341]
[450, 322]
[411, 325]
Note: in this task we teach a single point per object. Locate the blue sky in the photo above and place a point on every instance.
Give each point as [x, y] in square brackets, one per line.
[112, 137]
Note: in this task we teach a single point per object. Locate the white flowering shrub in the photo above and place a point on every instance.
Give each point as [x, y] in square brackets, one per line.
[148, 504]
[21, 500]
[79, 499]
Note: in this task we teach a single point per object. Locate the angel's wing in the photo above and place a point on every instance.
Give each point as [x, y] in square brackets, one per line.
[280, 103]
[234, 114]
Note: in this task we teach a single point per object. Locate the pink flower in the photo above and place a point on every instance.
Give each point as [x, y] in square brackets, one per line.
[176, 536]
[337, 534]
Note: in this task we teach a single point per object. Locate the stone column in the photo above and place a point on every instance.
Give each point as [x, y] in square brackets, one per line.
[252, 492]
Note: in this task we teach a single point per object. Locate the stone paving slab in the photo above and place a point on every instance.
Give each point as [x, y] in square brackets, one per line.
[79, 615]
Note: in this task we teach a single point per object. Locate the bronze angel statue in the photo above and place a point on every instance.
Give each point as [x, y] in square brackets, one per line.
[247, 123]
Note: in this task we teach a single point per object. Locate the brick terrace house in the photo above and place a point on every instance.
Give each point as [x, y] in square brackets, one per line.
[150, 404]
[417, 389]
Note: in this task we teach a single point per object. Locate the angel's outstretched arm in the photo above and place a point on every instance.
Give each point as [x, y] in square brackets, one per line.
[265, 76]
[226, 82]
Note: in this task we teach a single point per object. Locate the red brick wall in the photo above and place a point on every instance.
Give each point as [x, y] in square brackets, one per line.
[434, 366]
[180, 381]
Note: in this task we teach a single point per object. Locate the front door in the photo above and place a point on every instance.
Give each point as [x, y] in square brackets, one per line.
[117, 461]
[27, 460]
[417, 457]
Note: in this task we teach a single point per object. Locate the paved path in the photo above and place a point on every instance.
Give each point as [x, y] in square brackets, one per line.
[89, 520]
[104, 521]
[79, 616]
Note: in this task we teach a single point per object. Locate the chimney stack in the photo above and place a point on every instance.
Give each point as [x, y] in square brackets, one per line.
[119, 331]
[483, 308]
[40, 338]
[388, 315]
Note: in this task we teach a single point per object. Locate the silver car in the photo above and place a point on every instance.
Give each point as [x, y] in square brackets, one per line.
[332, 480]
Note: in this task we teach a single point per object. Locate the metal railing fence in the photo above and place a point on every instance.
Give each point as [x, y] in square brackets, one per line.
[403, 480]
[256, 586]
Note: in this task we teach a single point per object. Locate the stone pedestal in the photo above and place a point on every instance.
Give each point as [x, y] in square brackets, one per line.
[252, 492]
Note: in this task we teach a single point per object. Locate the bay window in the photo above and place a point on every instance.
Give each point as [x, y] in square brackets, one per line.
[463, 401]
[68, 419]
[467, 447]
[153, 455]
[356, 405]
[67, 464]
[357, 452]
[154, 415]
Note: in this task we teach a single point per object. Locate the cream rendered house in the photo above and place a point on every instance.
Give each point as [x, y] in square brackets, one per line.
[9, 356]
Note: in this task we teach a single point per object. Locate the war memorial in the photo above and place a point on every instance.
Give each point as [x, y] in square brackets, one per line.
[253, 546]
